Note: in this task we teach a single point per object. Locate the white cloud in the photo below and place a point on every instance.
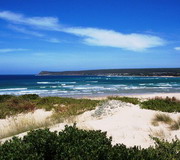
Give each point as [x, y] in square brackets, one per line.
[177, 48]
[51, 23]
[110, 38]
[25, 31]
[90, 36]
[6, 50]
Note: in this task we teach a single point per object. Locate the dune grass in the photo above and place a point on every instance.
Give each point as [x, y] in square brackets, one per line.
[158, 133]
[62, 108]
[166, 119]
[12, 105]
[175, 125]
[163, 118]
[22, 124]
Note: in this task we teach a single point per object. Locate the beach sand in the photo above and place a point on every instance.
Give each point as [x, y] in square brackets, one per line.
[141, 96]
[124, 122]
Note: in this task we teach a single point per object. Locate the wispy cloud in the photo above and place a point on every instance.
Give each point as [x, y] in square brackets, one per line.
[6, 50]
[177, 48]
[110, 38]
[51, 23]
[90, 36]
[25, 31]
[33, 33]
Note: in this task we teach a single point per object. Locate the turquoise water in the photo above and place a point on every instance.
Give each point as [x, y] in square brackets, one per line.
[72, 86]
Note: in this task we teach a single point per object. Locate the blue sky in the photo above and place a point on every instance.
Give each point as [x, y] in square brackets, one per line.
[58, 35]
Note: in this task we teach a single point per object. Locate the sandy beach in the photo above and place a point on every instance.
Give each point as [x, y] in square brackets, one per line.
[141, 96]
[126, 123]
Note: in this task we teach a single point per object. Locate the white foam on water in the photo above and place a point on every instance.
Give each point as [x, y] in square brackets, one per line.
[53, 86]
[92, 81]
[43, 82]
[13, 89]
[142, 84]
[68, 86]
[57, 82]
[43, 87]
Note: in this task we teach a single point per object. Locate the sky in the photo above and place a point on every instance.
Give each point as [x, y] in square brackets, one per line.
[62, 35]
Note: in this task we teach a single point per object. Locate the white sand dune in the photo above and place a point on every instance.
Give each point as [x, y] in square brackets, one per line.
[125, 122]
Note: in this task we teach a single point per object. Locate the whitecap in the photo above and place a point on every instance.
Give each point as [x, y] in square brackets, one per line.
[13, 89]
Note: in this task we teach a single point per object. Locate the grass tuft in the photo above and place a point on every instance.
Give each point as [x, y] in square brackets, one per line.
[159, 134]
[163, 118]
[175, 125]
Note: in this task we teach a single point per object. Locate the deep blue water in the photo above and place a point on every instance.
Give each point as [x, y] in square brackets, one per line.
[72, 86]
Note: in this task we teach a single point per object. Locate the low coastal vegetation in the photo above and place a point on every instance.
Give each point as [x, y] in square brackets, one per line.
[67, 108]
[62, 108]
[12, 105]
[125, 99]
[162, 104]
[73, 143]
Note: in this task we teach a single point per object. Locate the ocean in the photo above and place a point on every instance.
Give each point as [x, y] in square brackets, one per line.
[80, 86]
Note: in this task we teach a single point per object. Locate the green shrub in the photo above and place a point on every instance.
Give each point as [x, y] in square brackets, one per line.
[29, 96]
[4, 98]
[71, 143]
[165, 105]
[125, 99]
[76, 144]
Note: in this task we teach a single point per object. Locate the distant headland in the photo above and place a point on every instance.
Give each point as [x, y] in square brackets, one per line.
[117, 72]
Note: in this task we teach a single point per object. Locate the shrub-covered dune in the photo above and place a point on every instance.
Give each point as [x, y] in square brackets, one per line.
[75, 144]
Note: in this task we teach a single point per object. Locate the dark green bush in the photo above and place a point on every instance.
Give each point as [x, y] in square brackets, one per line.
[165, 105]
[75, 144]
[4, 98]
[29, 96]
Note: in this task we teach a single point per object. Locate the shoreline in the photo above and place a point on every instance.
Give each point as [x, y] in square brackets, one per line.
[105, 96]
[134, 95]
